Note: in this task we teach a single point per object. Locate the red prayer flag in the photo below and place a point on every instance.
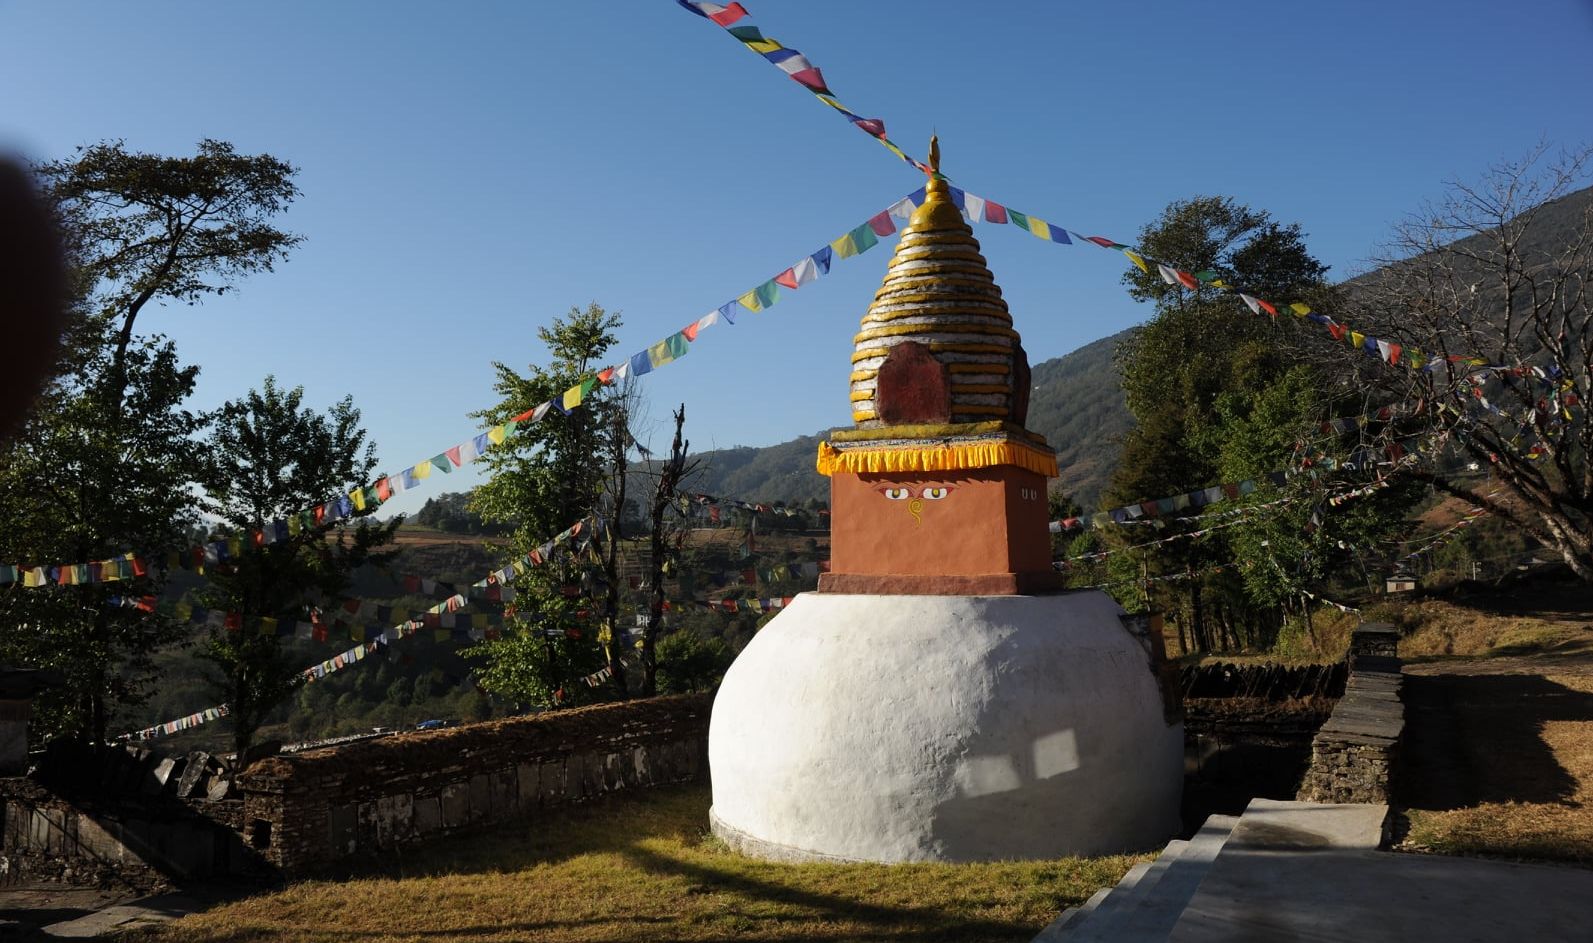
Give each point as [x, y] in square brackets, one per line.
[453, 456]
[788, 277]
[1267, 307]
[723, 15]
[995, 212]
[1188, 280]
[813, 79]
[882, 224]
[383, 489]
[523, 416]
[874, 126]
[689, 332]
[608, 375]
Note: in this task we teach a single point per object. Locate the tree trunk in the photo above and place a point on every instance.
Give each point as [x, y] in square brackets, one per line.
[669, 476]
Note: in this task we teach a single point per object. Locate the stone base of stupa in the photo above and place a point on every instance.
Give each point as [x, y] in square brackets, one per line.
[944, 728]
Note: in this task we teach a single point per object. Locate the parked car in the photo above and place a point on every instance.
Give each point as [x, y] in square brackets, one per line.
[431, 724]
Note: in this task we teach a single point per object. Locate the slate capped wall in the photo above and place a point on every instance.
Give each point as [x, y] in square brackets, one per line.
[311, 810]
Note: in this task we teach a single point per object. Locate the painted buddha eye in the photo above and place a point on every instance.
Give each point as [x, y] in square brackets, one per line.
[897, 494]
[935, 494]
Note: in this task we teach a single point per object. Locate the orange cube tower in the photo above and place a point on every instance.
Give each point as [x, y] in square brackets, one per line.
[939, 489]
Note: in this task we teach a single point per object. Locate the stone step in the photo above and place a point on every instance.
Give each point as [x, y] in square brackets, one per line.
[1147, 884]
[1120, 895]
[1073, 916]
[1127, 894]
[1152, 915]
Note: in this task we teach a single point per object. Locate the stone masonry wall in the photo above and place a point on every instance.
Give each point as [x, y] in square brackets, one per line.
[312, 810]
[139, 841]
[1353, 754]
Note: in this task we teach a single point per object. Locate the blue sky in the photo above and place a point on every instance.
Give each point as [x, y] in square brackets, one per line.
[472, 170]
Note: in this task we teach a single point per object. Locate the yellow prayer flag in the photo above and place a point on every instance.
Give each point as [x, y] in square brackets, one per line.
[1300, 310]
[358, 497]
[495, 435]
[572, 397]
[1039, 227]
[1137, 260]
[844, 247]
[268, 625]
[1357, 339]
[422, 471]
[750, 301]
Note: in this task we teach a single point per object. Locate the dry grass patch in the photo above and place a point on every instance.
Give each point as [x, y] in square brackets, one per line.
[1499, 757]
[643, 868]
[1439, 627]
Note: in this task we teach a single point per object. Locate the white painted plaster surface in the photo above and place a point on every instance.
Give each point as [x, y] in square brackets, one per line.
[955, 728]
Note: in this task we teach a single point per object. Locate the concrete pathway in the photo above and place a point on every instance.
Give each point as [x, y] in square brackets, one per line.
[1296, 871]
[119, 917]
[1302, 872]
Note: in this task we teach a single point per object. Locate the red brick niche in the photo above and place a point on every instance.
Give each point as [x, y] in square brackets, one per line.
[912, 386]
[965, 533]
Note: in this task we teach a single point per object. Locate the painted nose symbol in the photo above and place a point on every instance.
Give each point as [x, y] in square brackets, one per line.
[915, 507]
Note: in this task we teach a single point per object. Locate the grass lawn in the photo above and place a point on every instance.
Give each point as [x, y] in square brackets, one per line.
[644, 868]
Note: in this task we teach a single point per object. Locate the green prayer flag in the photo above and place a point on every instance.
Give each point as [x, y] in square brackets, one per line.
[864, 238]
[768, 293]
[441, 463]
[1018, 219]
[668, 350]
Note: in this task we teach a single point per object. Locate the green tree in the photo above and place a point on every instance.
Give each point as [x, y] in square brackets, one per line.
[547, 477]
[689, 662]
[1199, 345]
[104, 462]
[269, 458]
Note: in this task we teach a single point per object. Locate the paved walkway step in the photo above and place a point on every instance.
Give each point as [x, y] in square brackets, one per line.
[1165, 884]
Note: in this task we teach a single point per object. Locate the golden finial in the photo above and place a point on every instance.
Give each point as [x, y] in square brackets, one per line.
[934, 154]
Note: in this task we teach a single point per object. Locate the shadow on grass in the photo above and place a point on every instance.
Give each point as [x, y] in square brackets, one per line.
[885, 923]
[634, 827]
[1471, 739]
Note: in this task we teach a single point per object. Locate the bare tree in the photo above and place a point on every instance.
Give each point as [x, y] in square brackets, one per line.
[664, 545]
[1482, 302]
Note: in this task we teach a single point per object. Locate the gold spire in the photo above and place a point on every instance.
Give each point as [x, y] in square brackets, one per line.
[938, 292]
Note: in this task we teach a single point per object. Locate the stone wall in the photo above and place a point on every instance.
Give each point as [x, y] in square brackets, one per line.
[1270, 683]
[139, 841]
[1353, 754]
[311, 810]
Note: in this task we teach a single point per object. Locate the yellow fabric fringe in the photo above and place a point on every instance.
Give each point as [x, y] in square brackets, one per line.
[935, 458]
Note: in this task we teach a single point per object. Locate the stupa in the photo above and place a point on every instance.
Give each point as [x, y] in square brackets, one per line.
[940, 697]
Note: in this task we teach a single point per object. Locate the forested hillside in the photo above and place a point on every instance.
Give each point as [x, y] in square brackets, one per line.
[1077, 404]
